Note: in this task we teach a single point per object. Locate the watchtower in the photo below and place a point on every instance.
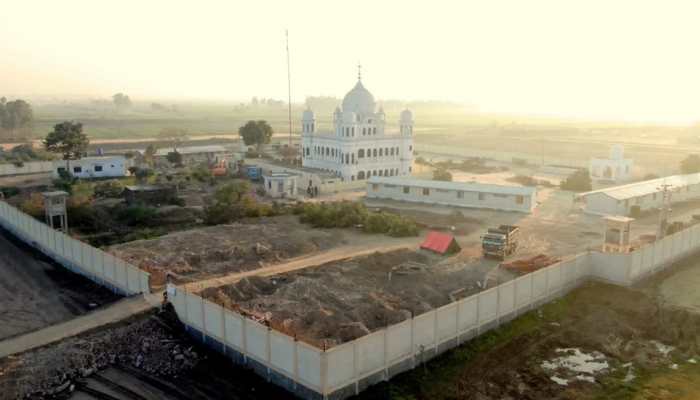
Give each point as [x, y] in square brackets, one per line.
[616, 238]
[55, 210]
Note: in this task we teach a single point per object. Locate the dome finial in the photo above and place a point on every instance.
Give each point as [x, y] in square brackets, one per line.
[359, 71]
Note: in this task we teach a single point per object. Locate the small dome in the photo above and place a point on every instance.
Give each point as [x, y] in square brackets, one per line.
[308, 115]
[359, 100]
[406, 116]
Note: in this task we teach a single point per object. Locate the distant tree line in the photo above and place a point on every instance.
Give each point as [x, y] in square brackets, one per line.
[16, 118]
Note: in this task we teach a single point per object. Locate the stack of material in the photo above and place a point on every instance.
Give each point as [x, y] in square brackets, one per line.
[527, 265]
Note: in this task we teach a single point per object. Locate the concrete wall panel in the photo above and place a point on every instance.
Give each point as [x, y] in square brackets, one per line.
[488, 305]
[234, 329]
[447, 321]
[468, 313]
[109, 266]
[399, 340]
[539, 284]
[120, 273]
[370, 352]
[506, 298]
[309, 365]
[256, 339]
[194, 310]
[523, 290]
[213, 320]
[636, 266]
[554, 278]
[282, 352]
[424, 329]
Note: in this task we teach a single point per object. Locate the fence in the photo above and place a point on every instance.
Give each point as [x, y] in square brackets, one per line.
[32, 167]
[503, 156]
[347, 369]
[81, 258]
[626, 269]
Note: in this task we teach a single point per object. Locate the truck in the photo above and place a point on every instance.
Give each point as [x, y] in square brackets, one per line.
[500, 242]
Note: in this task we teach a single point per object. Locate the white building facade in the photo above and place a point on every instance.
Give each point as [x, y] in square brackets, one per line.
[646, 195]
[280, 185]
[459, 194]
[94, 167]
[616, 168]
[359, 146]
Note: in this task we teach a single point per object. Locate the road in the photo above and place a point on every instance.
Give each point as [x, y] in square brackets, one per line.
[35, 293]
[113, 313]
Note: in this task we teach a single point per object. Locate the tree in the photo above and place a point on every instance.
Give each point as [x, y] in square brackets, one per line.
[256, 133]
[15, 115]
[691, 164]
[227, 203]
[579, 181]
[122, 101]
[68, 139]
[174, 158]
[441, 174]
[175, 136]
[289, 154]
[150, 154]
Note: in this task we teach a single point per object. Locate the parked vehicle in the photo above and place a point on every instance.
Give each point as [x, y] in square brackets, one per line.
[500, 242]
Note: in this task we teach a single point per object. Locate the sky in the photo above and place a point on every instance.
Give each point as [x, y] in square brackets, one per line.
[593, 59]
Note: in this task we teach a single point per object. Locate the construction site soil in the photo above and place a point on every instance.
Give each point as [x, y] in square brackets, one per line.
[35, 292]
[202, 253]
[343, 300]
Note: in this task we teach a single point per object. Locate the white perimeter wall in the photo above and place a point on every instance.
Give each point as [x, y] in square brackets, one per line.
[79, 257]
[31, 167]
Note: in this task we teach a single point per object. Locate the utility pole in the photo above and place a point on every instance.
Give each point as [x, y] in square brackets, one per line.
[289, 87]
[665, 208]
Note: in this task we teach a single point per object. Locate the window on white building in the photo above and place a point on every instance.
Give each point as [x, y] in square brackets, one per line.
[460, 194]
[375, 187]
[406, 189]
[426, 192]
[519, 199]
[77, 170]
[482, 196]
[98, 168]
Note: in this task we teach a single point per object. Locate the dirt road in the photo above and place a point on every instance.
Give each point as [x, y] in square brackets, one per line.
[35, 293]
[380, 244]
[112, 313]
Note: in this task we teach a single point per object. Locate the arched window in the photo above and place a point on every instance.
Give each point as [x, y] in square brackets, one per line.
[380, 152]
[347, 158]
[353, 131]
[361, 175]
[380, 172]
[374, 130]
[364, 131]
[386, 172]
[361, 153]
[352, 158]
[374, 152]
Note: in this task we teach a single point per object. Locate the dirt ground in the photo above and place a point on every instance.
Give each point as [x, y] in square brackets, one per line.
[340, 301]
[35, 293]
[218, 250]
[599, 342]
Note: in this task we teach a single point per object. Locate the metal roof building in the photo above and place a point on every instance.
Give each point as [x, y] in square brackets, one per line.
[645, 195]
[460, 194]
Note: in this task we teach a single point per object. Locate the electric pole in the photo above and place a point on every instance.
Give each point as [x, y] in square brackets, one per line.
[665, 208]
[289, 87]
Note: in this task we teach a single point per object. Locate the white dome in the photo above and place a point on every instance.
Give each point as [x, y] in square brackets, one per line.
[359, 100]
[406, 116]
[308, 115]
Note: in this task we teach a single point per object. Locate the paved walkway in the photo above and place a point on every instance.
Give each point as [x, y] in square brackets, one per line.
[113, 313]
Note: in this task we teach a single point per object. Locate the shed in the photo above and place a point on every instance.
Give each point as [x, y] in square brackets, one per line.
[441, 243]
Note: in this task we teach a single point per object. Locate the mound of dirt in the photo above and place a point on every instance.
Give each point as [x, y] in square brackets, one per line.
[217, 250]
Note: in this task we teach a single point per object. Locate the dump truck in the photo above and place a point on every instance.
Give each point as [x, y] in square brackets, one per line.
[500, 242]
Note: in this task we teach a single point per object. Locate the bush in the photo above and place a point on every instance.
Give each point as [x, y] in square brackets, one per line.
[109, 189]
[202, 174]
[349, 214]
[442, 174]
[137, 215]
[579, 181]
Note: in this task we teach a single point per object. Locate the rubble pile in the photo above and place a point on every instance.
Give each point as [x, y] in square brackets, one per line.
[145, 345]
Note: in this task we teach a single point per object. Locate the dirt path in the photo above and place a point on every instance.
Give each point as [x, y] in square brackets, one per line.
[339, 253]
[113, 313]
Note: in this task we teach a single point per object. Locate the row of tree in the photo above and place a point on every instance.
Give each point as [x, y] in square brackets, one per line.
[16, 116]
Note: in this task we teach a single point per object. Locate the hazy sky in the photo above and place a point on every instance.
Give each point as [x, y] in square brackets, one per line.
[632, 60]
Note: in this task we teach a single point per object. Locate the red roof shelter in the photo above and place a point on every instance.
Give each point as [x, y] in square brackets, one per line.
[441, 243]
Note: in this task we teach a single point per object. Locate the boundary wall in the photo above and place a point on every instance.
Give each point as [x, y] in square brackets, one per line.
[79, 257]
[29, 167]
[345, 370]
